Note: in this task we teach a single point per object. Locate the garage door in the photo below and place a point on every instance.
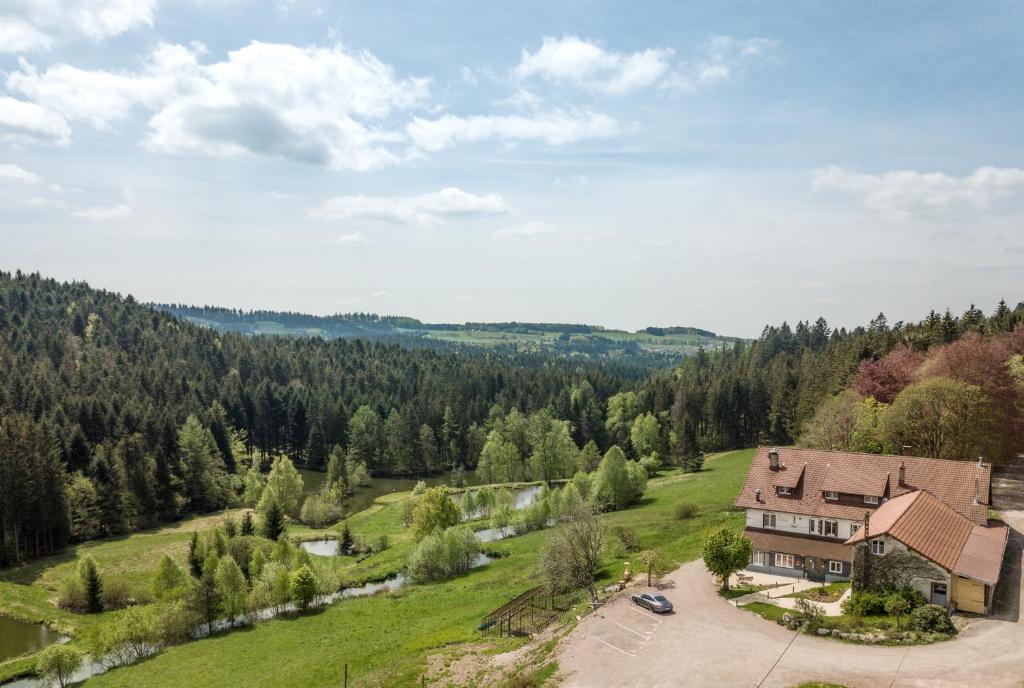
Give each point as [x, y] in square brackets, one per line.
[970, 595]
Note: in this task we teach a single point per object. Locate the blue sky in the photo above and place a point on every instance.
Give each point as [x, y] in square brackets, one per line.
[713, 164]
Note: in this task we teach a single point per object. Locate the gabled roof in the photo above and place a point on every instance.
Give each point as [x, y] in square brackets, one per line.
[955, 483]
[843, 477]
[933, 530]
[789, 476]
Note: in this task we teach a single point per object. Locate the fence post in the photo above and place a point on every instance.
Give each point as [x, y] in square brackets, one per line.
[346, 674]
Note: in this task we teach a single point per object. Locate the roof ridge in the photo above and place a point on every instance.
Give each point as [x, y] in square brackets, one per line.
[987, 464]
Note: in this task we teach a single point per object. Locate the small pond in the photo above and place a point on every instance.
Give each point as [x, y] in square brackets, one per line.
[19, 638]
[328, 547]
[363, 497]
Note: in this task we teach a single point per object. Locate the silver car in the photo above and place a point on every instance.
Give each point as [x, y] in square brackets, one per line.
[656, 603]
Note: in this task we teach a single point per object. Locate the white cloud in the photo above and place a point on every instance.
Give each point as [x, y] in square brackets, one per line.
[102, 213]
[13, 173]
[582, 63]
[424, 209]
[352, 238]
[320, 105]
[907, 194]
[42, 24]
[527, 230]
[21, 122]
[721, 58]
[557, 127]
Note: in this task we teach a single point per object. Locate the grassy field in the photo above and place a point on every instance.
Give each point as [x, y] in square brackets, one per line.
[385, 640]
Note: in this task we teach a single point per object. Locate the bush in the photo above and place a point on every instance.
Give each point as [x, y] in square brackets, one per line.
[628, 538]
[116, 594]
[685, 510]
[651, 464]
[932, 618]
[444, 554]
[872, 602]
[177, 620]
[809, 613]
[71, 595]
[535, 516]
[864, 603]
[57, 664]
[318, 512]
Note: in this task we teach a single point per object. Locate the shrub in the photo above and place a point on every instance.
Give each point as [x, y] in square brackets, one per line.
[176, 621]
[420, 488]
[685, 510]
[809, 613]
[535, 516]
[57, 664]
[896, 606]
[628, 538]
[116, 594]
[933, 618]
[318, 512]
[71, 595]
[381, 543]
[443, 554]
[864, 603]
[651, 464]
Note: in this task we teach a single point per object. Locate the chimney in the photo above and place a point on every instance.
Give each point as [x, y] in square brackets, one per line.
[903, 473]
[906, 450]
[757, 495]
[773, 459]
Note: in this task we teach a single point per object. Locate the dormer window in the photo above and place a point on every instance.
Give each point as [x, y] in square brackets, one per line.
[870, 499]
[783, 490]
[832, 496]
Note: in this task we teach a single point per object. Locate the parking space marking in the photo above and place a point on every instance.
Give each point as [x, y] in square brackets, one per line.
[645, 636]
[617, 649]
[646, 615]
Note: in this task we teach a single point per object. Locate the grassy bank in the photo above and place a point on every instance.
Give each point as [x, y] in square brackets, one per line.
[385, 639]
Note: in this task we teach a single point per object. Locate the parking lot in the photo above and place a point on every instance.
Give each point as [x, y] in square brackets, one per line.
[708, 642]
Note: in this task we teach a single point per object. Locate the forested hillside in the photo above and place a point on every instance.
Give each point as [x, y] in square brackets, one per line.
[955, 385]
[101, 388]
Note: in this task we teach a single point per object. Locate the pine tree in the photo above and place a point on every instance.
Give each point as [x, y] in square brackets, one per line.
[345, 545]
[92, 585]
[273, 521]
[247, 527]
[195, 556]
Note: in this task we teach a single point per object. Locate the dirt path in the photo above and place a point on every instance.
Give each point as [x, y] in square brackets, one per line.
[707, 642]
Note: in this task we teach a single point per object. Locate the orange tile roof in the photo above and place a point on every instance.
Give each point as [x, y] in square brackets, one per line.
[789, 477]
[955, 483]
[926, 525]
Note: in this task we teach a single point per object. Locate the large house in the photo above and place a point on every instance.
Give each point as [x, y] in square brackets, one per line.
[806, 511]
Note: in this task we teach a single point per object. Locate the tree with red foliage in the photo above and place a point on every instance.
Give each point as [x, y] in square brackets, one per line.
[886, 377]
[984, 362]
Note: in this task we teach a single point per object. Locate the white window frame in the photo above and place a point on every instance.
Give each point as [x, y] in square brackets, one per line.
[812, 525]
[870, 499]
[768, 520]
[878, 547]
[854, 527]
[758, 557]
[831, 496]
[783, 490]
[832, 526]
[780, 557]
[835, 567]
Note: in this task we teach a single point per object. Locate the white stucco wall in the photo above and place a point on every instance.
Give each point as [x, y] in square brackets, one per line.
[922, 585]
[796, 524]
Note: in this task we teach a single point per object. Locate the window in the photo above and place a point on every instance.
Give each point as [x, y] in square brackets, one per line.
[831, 495]
[811, 524]
[759, 558]
[870, 499]
[832, 528]
[835, 567]
[877, 547]
[783, 490]
[854, 527]
[784, 560]
[767, 520]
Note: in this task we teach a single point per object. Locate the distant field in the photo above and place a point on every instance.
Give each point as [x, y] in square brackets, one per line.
[665, 346]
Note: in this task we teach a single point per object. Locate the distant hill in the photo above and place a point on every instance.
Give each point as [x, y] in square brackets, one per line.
[652, 346]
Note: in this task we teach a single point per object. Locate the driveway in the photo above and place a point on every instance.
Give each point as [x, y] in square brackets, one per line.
[708, 642]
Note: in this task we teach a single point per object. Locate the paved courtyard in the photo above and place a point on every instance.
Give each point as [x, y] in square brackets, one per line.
[708, 642]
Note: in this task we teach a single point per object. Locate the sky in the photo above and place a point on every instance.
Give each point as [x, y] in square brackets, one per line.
[714, 164]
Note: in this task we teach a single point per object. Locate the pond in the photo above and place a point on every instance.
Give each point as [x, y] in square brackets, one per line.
[19, 638]
[363, 497]
[398, 581]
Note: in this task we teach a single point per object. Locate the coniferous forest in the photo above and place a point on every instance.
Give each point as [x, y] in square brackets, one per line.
[115, 416]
